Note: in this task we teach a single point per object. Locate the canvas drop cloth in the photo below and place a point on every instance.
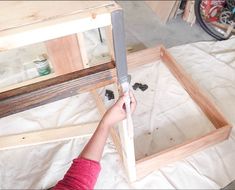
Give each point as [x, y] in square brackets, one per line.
[165, 116]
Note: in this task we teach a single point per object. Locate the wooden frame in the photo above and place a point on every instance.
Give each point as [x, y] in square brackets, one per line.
[146, 165]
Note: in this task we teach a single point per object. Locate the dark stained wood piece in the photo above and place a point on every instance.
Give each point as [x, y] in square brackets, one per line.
[40, 93]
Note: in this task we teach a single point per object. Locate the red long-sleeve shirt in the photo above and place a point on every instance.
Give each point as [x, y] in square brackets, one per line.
[82, 174]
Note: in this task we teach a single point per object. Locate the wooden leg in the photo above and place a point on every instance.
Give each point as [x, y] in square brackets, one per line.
[82, 45]
[127, 144]
[109, 37]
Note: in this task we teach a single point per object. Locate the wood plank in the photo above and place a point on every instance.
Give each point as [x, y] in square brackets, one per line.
[57, 88]
[46, 136]
[40, 93]
[83, 52]
[127, 144]
[154, 162]
[29, 12]
[64, 54]
[201, 98]
[27, 82]
[58, 79]
[146, 56]
[161, 8]
[55, 28]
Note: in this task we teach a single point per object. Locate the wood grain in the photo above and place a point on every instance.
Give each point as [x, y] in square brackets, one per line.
[64, 54]
[57, 88]
[55, 27]
[29, 12]
[46, 136]
[200, 97]
[154, 162]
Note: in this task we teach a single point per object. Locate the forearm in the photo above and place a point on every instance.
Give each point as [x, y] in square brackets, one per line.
[94, 148]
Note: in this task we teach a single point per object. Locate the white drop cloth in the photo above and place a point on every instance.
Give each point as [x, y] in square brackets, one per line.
[165, 116]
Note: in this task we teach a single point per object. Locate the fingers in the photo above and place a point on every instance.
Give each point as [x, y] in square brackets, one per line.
[133, 101]
[121, 101]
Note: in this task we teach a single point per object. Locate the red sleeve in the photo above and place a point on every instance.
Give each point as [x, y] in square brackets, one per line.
[82, 174]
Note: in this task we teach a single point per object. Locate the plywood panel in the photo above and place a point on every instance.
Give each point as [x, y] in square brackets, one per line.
[64, 53]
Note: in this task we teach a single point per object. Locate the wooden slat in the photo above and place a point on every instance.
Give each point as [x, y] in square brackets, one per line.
[57, 88]
[27, 82]
[154, 162]
[29, 12]
[136, 59]
[55, 28]
[64, 54]
[200, 97]
[46, 136]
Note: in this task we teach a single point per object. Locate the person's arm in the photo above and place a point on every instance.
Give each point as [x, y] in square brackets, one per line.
[85, 169]
[94, 148]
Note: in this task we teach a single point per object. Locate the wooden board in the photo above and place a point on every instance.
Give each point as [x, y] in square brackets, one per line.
[162, 8]
[46, 136]
[29, 12]
[56, 27]
[64, 54]
[57, 88]
[149, 164]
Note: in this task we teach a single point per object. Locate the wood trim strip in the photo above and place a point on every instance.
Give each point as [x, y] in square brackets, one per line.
[46, 136]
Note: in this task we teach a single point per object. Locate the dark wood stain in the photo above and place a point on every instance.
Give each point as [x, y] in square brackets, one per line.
[40, 93]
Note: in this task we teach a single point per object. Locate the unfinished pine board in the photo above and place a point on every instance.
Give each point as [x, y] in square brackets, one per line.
[151, 163]
[64, 54]
[65, 22]
[221, 131]
[82, 46]
[28, 12]
[162, 9]
[46, 136]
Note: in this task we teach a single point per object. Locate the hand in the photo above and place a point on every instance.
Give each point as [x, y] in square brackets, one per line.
[118, 112]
